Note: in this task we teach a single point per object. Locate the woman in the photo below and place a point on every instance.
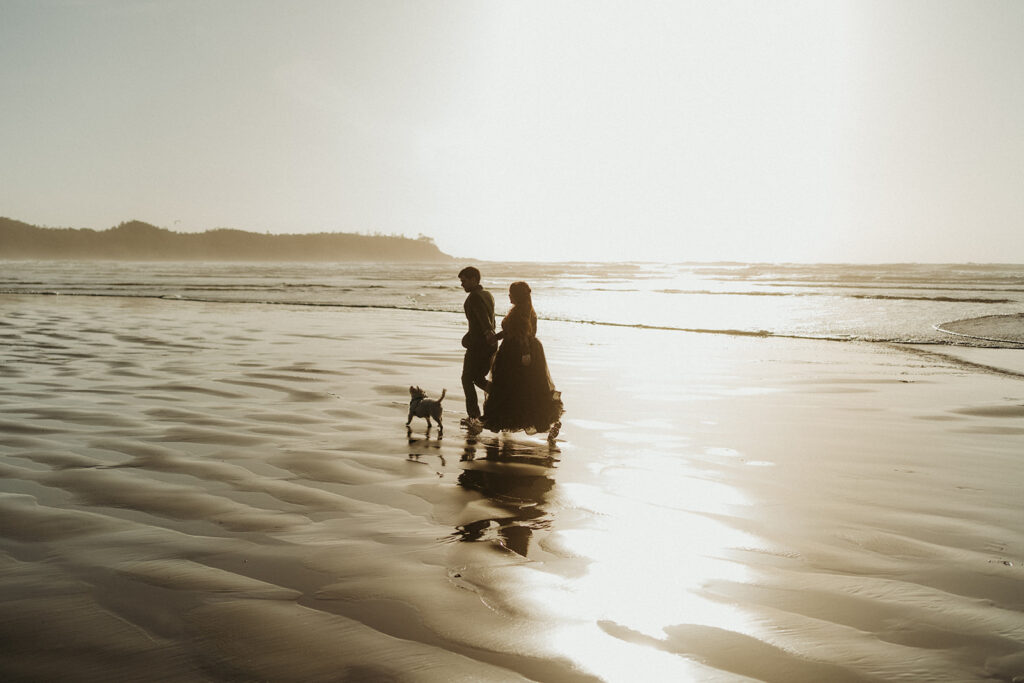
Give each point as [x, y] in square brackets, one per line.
[521, 395]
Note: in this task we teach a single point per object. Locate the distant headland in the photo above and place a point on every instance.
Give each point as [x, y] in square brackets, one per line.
[138, 241]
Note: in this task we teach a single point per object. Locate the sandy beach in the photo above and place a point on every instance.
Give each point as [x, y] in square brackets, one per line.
[227, 492]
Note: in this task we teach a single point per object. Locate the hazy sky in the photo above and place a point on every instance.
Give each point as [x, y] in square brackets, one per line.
[634, 130]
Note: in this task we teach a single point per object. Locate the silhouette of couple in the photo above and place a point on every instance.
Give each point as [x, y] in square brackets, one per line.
[520, 394]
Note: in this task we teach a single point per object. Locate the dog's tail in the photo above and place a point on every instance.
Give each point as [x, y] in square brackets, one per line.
[443, 392]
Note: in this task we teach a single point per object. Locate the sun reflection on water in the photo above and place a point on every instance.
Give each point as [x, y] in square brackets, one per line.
[647, 561]
[613, 558]
[650, 549]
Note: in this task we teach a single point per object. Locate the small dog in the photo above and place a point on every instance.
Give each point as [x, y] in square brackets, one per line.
[421, 406]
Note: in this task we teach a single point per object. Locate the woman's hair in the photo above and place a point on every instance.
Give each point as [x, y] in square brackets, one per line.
[520, 294]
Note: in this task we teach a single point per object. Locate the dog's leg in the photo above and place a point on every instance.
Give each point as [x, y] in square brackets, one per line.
[409, 421]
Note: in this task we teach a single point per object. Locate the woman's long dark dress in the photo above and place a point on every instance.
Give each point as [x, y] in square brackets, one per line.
[522, 396]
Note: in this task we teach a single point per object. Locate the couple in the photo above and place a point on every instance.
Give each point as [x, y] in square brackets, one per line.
[520, 394]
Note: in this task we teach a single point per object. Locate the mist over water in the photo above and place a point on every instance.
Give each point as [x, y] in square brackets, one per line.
[885, 303]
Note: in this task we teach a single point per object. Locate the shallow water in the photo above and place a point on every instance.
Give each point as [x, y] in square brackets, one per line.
[900, 303]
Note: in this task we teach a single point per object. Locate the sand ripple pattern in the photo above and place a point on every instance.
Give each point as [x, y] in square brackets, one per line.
[227, 492]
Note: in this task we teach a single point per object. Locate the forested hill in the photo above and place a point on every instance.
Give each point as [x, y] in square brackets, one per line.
[137, 241]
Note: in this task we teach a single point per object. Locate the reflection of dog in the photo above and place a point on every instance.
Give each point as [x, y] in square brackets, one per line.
[421, 406]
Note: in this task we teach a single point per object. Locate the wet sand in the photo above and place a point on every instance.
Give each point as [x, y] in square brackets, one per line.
[999, 328]
[216, 492]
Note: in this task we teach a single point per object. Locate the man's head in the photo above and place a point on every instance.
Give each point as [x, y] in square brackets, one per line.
[469, 277]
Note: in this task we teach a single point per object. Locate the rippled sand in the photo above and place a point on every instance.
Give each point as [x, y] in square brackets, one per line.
[217, 492]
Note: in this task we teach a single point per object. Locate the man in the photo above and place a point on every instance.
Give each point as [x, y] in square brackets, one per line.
[480, 342]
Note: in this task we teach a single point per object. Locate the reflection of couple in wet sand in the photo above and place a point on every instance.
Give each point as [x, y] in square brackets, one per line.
[520, 394]
[516, 479]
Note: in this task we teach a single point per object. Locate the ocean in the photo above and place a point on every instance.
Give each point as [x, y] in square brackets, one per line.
[963, 304]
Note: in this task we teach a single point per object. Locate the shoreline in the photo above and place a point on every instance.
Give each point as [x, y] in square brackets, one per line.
[1009, 341]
